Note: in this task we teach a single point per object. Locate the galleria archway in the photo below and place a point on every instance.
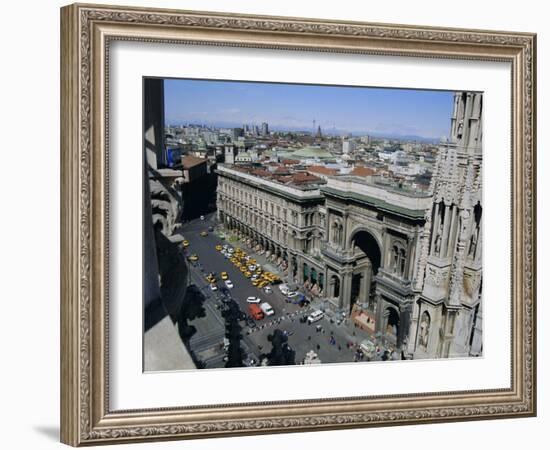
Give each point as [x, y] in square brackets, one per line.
[368, 261]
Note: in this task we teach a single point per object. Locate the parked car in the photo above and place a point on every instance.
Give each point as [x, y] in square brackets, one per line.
[253, 300]
[202, 217]
[292, 294]
[268, 290]
[284, 289]
[255, 311]
[204, 233]
[315, 316]
[224, 276]
[229, 284]
[213, 287]
[267, 309]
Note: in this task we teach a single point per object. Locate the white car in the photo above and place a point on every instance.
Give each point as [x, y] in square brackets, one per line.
[267, 309]
[202, 217]
[315, 316]
[291, 294]
[213, 287]
[229, 284]
[252, 268]
[253, 300]
[268, 290]
[284, 289]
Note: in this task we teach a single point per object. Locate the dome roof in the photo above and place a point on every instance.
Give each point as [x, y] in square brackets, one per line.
[311, 152]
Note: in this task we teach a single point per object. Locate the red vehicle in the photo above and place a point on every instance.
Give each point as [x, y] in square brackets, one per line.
[255, 311]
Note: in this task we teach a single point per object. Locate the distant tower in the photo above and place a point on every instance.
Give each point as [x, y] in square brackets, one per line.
[229, 154]
[319, 134]
[265, 129]
[446, 320]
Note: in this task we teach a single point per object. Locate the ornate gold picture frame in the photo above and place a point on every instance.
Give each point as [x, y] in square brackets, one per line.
[87, 31]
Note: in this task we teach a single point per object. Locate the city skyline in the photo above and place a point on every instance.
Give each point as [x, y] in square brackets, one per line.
[383, 112]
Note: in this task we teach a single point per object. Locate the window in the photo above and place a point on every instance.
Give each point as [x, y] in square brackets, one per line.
[399, 259]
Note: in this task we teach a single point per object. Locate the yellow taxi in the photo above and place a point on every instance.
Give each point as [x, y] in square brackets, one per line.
[247, 274]
[252, 262]
[219, 247]
[185, 243]
[224, 276]
[262, 283]
[204, 233]
[243, 269]
[210, 278]
[255, 282]
[193, 258]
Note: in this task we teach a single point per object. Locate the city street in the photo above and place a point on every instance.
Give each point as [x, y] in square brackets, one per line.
[331, 341]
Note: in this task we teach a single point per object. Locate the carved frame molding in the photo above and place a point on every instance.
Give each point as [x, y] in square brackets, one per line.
[86, 32]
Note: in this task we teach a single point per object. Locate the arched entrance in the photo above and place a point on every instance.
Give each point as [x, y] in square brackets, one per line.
[366, 242]
[368, 263]
[391, 319]
[335, 286]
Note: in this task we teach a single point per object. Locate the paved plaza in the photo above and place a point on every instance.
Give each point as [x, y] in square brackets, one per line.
[334, 341]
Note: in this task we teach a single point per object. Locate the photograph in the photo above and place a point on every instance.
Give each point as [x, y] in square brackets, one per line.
[299, 224]
[331, 225]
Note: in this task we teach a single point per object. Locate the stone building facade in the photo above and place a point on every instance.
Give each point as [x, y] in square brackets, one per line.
[447, 318]
[411, 259]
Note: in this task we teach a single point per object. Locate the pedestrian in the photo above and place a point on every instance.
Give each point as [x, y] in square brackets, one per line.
[318, 347]
[309, 338]
[340, 347]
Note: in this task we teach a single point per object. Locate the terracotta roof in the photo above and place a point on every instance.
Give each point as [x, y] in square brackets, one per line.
[302, 177]
[322, 170]
[191, 161]
[281, 171]
[261, 173]
[360, 171]
[290, 161]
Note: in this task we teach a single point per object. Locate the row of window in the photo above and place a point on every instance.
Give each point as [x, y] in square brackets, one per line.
[248, 199]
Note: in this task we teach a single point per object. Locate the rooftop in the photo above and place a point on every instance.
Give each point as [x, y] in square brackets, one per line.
[323, 170]
[191, 161]
[360, 171]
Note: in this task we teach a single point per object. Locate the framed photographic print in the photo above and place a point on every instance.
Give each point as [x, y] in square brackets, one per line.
[280, 224]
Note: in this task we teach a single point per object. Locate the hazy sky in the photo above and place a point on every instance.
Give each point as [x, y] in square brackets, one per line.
[294, 106]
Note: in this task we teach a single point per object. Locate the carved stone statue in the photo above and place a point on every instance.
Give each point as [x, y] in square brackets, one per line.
[424, 331]
[437, 244]
[473, 244]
